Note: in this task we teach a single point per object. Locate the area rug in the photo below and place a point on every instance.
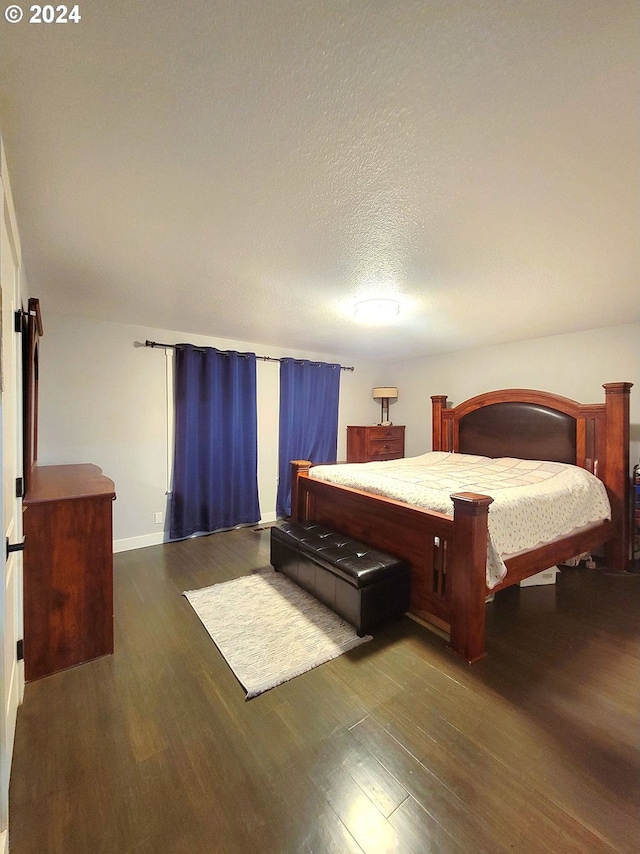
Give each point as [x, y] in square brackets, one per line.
[269, 630]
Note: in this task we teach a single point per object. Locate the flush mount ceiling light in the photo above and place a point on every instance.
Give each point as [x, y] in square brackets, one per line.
[377, 310]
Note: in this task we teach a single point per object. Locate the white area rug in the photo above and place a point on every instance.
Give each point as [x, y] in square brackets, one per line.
[269, 630]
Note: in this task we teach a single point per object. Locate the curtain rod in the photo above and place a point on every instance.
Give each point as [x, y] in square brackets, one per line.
[148, 343]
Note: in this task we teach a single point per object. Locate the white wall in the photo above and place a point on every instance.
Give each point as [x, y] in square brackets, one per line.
[103, 400]
[574, 365]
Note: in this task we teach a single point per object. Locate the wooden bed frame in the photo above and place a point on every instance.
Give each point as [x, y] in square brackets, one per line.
[447, 555]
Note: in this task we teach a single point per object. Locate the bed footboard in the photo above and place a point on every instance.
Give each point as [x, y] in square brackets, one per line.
[447, 555]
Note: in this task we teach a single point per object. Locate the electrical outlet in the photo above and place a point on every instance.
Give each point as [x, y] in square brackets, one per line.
[158, 518]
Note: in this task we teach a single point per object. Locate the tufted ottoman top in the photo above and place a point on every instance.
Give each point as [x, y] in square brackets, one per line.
[355, 561]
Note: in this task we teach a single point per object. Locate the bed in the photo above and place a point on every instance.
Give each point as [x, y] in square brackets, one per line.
[447, 553]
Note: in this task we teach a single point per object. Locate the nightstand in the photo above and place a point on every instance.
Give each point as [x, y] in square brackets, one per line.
[366, 444]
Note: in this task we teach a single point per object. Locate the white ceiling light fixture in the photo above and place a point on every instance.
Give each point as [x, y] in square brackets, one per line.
[377, 310]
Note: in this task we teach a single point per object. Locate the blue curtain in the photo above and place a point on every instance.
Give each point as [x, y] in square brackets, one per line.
[215, 473]
[309, 393]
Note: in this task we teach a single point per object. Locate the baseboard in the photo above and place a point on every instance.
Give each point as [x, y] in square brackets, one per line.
[161, 537]
[142, 542]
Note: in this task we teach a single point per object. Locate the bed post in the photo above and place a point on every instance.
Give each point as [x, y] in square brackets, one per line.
[438, 403]
[297, 466]
[616, 472]
[468, 574]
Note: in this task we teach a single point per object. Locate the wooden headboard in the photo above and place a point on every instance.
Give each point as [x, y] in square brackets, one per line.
[539, 425]
[516, 429]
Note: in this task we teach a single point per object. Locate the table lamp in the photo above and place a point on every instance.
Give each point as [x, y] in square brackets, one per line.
[384, 394]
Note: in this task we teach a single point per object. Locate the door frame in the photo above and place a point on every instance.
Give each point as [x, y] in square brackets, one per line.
[11, 467]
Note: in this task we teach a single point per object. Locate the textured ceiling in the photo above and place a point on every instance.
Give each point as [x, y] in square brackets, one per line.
[251, 168]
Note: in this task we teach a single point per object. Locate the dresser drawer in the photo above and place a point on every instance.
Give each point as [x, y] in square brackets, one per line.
[385, 448]
[381, 433]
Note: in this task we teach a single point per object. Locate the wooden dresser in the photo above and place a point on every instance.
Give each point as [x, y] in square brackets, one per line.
[366, 444]
[68, 567]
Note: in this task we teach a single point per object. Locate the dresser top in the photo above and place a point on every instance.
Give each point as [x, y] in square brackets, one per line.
[373, 426]
[57, 483]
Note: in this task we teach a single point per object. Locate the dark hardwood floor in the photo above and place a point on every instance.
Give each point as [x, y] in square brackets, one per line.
[394, 747]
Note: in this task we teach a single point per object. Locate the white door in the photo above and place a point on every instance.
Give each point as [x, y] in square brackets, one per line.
[11, 674]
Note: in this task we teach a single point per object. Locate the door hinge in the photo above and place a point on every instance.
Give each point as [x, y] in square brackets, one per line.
[20, 649]
[19, 487]
[13, 547]
[17, 323]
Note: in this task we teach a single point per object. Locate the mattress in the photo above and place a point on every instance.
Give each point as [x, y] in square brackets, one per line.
[534, 502]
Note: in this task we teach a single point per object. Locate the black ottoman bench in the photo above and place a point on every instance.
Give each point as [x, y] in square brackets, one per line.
[364, 586]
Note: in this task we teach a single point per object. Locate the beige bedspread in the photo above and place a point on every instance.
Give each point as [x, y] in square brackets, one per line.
[534, 502]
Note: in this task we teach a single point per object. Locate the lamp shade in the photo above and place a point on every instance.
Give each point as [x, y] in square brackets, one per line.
[385, 392]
